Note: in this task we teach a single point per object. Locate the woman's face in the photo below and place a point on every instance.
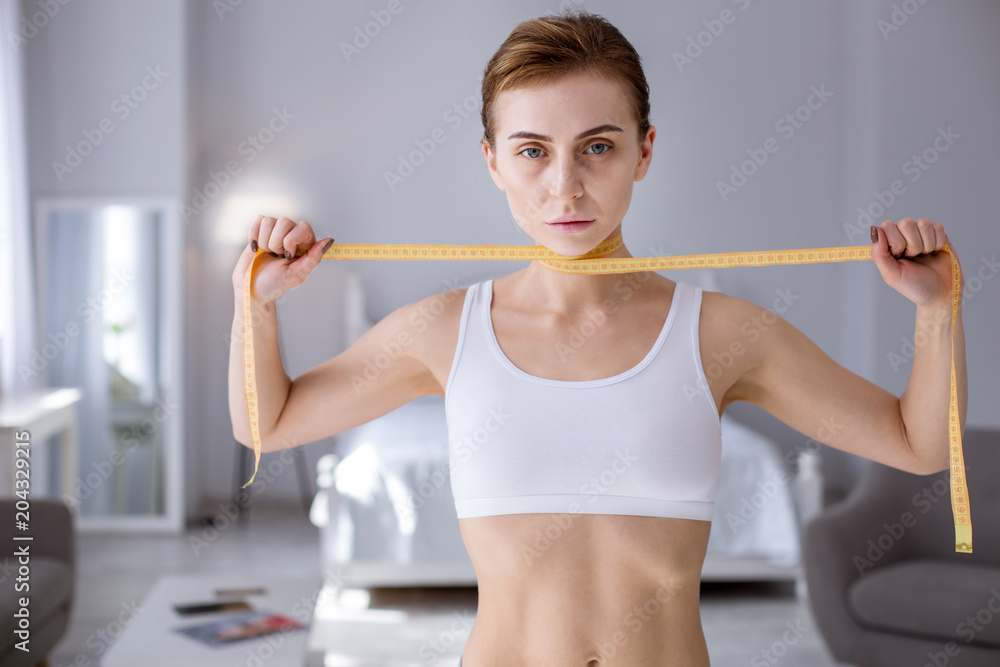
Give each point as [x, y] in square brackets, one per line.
[568, 149]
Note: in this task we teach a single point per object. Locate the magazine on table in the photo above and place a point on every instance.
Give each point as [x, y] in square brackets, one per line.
[223, 631]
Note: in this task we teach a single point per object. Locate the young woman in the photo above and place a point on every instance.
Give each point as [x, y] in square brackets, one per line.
[584, 430]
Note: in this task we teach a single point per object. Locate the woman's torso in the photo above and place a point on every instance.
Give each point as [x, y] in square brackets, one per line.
[609, 589]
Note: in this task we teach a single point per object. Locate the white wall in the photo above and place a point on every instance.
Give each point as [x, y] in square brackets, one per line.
[78, 66]
[352, 121]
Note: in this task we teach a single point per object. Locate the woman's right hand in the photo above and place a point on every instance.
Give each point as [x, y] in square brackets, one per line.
[279, 269]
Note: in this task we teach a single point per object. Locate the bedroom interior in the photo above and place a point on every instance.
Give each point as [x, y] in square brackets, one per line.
[139, 137]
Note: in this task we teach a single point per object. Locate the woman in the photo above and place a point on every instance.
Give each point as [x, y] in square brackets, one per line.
[585, 441]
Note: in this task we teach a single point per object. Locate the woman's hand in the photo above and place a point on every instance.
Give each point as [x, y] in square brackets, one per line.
[910, 258]
[279, 269]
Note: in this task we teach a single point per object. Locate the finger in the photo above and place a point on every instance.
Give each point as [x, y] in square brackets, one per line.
[266, 225]
[255, 232]
[897, 244]
[913, 244]
[883, 259]
[298, 241]
[276, 242]
[940, 238]
[309, 261]
[321, 248]
[928, 238]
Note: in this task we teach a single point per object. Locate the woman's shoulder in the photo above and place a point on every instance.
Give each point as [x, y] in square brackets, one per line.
[727, 320]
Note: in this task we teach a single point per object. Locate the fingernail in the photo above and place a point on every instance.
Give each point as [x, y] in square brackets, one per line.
[253, 245]
[288, 254]
[327, 246]
[874, 234]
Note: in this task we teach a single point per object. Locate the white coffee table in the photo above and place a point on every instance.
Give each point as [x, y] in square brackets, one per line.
[149, 639]
[346, 632]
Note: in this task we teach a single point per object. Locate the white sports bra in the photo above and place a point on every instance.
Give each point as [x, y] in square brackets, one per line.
[645, 442]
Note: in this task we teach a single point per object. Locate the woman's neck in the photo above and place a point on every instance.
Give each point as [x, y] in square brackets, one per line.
[554, 290]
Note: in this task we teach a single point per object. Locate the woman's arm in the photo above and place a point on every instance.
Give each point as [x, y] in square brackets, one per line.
[273, 383]
[925, 403]
[340, 393]
[790, 377]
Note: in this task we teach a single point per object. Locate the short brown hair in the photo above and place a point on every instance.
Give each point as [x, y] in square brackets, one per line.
[546, 48]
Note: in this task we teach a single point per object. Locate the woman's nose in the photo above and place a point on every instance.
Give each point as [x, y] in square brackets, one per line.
[565, 180]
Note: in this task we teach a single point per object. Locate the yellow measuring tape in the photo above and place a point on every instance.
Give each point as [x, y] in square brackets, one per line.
[596, 262]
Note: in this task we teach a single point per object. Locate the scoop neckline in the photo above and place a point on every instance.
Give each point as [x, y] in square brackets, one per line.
[498, 351]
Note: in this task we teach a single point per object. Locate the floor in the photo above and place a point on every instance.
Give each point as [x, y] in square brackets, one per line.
[743, 623]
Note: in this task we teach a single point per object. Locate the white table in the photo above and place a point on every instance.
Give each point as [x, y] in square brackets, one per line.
[43, 413]
[149, 639]
[346, 632]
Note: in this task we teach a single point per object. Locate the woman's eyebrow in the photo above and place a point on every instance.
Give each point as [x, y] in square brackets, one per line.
[607, 127]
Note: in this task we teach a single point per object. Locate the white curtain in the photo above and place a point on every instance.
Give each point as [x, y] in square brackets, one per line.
[17, 307]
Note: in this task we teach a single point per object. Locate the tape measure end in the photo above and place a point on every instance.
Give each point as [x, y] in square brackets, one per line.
[964, 547]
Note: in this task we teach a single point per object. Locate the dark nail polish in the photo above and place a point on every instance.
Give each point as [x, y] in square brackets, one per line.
[288, 255]
[874, 234]
[253, 246]
[328, 244]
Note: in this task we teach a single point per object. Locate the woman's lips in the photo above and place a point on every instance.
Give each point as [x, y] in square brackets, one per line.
[569, 227]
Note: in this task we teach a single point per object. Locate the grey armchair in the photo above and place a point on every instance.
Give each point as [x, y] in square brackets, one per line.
[887, 587]
[52, 563]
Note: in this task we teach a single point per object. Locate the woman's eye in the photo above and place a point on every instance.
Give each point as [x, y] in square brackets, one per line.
[603, 148]
[538, 152]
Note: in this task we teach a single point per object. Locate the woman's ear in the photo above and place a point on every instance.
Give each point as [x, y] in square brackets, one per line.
[645, 154]
[491, 164]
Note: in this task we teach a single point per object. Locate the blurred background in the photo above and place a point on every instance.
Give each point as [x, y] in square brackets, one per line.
[155, 130]
[224, 110]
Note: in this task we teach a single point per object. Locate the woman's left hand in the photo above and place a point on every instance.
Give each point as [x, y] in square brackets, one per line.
[910, 258]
